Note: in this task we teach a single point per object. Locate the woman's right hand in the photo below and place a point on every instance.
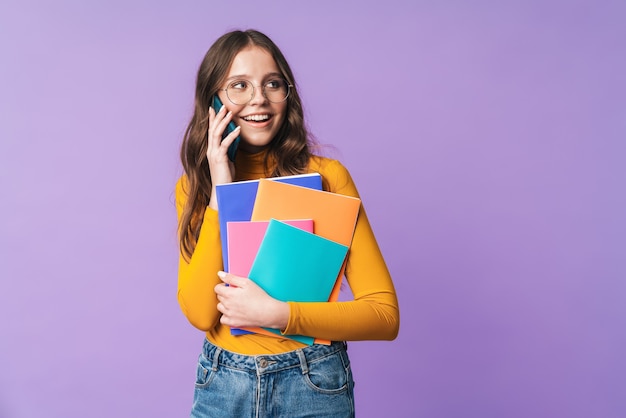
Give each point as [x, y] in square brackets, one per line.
[222, 170]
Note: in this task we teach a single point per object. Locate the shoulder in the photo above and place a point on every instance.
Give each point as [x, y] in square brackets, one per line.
[325, 165]
[181, 189]
[181, 184]
[335, 176]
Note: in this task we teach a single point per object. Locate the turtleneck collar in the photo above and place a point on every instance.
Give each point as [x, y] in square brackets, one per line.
[251, 166]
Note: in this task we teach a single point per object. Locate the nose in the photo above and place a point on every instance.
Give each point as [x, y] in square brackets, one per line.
[258, 96]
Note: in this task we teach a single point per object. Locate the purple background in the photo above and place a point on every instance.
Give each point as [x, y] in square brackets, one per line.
[487, 138]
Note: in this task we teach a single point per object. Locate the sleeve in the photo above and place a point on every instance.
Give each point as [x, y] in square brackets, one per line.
[374, 312]
[198, 277]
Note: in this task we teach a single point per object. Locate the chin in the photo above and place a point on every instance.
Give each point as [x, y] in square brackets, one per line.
[257, 141]
[253, 146]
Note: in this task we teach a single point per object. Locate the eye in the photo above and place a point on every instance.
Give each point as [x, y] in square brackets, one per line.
[239, 85]
[274, 84]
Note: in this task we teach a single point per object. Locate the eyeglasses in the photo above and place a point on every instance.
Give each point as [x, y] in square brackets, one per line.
[241, 92]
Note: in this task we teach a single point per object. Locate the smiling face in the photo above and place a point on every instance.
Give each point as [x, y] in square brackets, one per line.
[259, 119]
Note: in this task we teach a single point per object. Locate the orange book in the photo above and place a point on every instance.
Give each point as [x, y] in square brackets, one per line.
[334, 215]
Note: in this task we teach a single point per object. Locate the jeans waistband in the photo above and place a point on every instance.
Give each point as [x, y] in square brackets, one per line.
[268, 363]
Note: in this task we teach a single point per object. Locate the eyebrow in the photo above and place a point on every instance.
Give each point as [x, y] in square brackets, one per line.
[246, 76]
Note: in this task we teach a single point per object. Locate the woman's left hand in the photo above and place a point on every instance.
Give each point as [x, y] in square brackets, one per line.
[244, 304]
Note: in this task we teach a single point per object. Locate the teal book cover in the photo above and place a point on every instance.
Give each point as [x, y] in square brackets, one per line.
[294, 265]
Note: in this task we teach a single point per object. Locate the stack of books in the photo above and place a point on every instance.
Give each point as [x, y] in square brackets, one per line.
[289, 236]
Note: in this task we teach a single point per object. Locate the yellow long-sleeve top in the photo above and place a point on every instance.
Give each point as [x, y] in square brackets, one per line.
[372, 315]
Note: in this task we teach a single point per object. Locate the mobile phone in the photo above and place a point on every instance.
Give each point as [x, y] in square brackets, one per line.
[232, 149]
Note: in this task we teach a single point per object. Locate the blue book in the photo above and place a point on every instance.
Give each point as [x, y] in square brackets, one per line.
[293, 265]
[236, 201]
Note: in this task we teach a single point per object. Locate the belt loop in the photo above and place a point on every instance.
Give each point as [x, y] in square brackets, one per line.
[303, 365]
[216, 357]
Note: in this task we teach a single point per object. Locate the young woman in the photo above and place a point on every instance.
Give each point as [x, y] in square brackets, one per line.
[256, 375]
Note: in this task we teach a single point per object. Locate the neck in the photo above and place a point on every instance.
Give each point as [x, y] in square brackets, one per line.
[251, 165]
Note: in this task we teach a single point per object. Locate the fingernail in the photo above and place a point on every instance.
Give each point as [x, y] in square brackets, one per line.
[221, 274]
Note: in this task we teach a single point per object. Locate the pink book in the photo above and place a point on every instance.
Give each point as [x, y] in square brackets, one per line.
[244, 240]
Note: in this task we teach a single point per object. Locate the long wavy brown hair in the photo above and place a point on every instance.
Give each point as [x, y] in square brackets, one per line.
[289, 151]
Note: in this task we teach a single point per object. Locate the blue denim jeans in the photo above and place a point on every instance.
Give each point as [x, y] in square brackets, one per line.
[314, 381]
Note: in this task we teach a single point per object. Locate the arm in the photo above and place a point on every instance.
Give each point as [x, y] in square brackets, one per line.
[198, 277]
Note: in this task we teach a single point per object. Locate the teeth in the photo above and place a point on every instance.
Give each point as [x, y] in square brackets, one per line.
[257, 118]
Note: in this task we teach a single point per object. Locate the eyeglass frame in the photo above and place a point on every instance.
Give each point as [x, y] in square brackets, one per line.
[289, 86]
